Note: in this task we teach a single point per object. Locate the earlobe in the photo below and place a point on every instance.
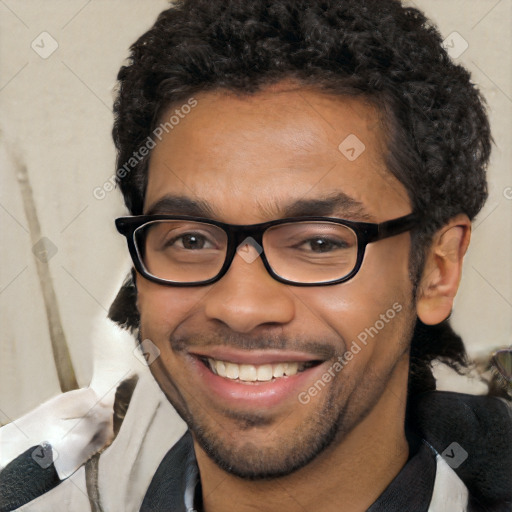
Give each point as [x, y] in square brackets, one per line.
[443, 270]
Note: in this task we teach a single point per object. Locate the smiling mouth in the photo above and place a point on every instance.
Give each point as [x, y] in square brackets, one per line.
[250, 373]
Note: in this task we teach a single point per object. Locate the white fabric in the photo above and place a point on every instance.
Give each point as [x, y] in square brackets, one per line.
[450, 494]
[151, 427]
[76, 424]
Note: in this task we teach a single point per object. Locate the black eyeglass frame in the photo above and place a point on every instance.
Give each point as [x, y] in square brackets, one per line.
[366, 233]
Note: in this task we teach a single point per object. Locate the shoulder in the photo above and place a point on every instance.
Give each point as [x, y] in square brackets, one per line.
[145, 431]
[473, 435]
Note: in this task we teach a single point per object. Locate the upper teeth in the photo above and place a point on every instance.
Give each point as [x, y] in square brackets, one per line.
[253, 373]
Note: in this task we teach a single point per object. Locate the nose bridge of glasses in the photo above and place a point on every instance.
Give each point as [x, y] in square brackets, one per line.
[245, 241]
[248, 234]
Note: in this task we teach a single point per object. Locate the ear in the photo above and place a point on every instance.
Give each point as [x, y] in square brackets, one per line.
[443, 270]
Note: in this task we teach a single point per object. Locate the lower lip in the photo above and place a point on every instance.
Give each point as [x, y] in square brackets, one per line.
[255, 394]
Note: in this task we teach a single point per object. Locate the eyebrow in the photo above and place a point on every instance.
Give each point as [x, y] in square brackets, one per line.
[339, 204]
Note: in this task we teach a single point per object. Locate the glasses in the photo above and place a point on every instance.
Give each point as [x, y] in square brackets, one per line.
[177, 250]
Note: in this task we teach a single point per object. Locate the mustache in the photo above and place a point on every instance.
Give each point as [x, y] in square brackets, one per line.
[323, 349]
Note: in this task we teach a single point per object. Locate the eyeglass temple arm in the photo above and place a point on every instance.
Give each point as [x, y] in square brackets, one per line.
[397, 226]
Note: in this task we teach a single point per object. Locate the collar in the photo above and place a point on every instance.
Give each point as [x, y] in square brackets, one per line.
[176, 485]
[482, 425]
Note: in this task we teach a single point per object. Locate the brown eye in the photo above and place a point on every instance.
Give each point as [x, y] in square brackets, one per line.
[190, 241]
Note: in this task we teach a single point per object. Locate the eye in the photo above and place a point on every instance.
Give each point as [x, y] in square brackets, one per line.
[190, 241]
[323, 244]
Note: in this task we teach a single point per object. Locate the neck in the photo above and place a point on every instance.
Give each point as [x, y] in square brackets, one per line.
[348, 476]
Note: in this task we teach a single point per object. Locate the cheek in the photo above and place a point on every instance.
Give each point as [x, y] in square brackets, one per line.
[374, 310]
[162, 308]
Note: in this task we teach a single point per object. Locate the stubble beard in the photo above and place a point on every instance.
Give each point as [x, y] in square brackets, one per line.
[322, 430]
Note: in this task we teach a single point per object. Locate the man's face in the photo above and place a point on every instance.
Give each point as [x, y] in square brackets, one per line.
[250, 159]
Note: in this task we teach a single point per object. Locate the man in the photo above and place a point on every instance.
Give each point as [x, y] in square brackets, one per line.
[301, 178]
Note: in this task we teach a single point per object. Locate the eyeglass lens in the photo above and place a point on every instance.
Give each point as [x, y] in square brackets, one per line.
[302, 252]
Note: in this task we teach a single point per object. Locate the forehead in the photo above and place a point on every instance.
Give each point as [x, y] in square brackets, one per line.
[248, 158]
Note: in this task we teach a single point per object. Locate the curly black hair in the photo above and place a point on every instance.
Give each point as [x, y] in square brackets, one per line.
[438, 138]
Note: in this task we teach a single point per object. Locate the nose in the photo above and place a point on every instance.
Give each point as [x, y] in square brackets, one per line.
[247, 296]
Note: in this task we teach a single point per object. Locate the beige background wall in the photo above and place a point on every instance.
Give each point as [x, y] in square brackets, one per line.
[56, 120]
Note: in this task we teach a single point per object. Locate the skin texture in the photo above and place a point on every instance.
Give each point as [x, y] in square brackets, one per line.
[248, 157]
